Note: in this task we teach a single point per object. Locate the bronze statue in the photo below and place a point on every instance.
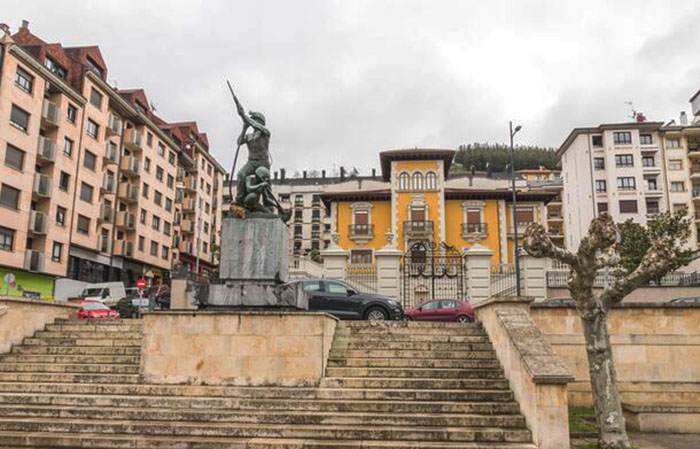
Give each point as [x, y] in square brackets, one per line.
[253, 179]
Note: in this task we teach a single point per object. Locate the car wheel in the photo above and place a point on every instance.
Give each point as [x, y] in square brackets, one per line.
[464, 319]
[376, 314]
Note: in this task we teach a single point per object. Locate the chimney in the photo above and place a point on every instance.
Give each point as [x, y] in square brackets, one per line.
[641, 118]
[684, 119]
[25, 24]
[342, 173]
[323, 174]
[374, 172]
[283, 172]
[303, 174]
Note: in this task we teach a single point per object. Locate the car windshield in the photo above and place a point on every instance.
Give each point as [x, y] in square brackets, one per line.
[92, 292]
[94, 306]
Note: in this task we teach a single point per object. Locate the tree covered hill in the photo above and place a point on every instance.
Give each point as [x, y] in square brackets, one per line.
[498, 156]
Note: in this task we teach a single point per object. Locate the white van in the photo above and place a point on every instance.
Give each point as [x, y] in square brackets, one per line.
[108, 293]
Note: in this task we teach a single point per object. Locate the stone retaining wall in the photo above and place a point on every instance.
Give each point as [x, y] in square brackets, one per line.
[21, 317]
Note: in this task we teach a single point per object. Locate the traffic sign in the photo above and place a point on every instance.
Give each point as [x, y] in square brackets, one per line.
[141, 284]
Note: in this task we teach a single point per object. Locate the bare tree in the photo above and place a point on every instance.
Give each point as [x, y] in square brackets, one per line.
[599, 249]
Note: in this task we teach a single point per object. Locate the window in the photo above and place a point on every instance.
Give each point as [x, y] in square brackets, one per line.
[648, 161]
[60, 216]
[208, 189]
[622, 138]
[24, 80]
[171, 158]
[209, 168]
[626, 183]
[675, 164]
[404, 181]
[166, 227]
[143, 216]
[164, 252]
[205, 247]
[7, 238]
[149, 139]
[95, 98]
[142, 242]
[83, 224]
[147, 164]
[645, 139]
[524, 216]
[9, 197]
[144, 190]
[602, 207]
[600, 186]
[624, 160]
[206, 228]
[56, 251]
[159, 173]
[297, 231]
[171, 181]
[86, 191]
[206, 207]
[90, 160]
[93, 129]
[312, 286]
[652, 207]
[168, 204]
[628, 206]
[92, 65]
[67, 146]
[597, 141]
[14, 157]
[651, 184]
[64, 181]
[154, 248]
[336, 287]
[55, 68]
[680, 207]
[161, 149]
[361, 256]
[430, 181]
[72, 113]
[19, 118]
[158, 198]
[298, 215]
[599, 163]
[677, 186]
[417, 181]
[673, 143]
[155, 223]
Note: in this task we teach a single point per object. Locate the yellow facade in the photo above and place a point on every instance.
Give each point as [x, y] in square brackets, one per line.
[431, 198]
[380, 219]
[454, 218]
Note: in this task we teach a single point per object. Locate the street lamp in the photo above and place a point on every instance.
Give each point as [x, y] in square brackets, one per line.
[516, 256]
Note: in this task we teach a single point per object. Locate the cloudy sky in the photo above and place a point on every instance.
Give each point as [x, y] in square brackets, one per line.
[341, 80]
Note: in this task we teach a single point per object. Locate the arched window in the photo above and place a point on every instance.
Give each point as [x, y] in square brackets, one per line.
[431, 181]
[418, 181]
[404, 181]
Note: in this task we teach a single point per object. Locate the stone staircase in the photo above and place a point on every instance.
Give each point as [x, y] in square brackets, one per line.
[388, 385]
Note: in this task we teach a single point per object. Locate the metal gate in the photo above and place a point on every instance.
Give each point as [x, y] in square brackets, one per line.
[432, 271]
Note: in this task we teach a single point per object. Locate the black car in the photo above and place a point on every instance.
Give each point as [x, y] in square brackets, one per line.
[340, 299]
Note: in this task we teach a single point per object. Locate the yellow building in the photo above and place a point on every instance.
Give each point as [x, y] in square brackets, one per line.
[419, 203]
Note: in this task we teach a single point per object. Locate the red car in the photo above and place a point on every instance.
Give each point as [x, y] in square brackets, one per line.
[91, 310]
[441, 310]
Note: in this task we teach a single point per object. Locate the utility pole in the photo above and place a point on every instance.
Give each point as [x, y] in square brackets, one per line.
[516, 256]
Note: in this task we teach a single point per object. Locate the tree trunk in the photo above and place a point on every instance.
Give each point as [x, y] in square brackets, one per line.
[611, 422]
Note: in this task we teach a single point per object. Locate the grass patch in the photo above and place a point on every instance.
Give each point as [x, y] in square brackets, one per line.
[582, 420]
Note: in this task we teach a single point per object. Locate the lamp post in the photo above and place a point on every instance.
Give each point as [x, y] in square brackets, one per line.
[516, 256]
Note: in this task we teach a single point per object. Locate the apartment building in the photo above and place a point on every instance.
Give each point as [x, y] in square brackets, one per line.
[87, 180]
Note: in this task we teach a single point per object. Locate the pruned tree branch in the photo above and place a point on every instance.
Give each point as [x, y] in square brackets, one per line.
[601, 236]
[538, 244]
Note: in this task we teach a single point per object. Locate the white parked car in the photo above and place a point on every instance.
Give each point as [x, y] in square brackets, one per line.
[108, 293]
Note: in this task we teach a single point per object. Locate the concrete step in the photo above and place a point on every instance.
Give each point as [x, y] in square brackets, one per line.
[415, 383]
[73, 440]
[414, 346]
[71, 359]
[119, 322]
[232, 403]
[110, 342]
[291, 417]
[377, 337]
[336, 432]
[70, 377]
[392, 393]
[432, 373]
[413, 363]
[69, 368]
[76, 350]
[121, 327]
[412, 354]
[388, 326]
[89, 334]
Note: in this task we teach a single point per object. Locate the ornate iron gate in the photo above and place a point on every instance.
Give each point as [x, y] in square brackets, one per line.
[432, 271]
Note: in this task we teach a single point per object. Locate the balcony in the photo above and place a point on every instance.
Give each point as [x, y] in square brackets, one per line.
[653, 191]
[521, 227]
[361, 233]
[129, 192]
[114, 126]
[123, 248]
[188, 205]
[129, 166]
[474, 230]
[694, 152]
[190, 183]
[50, 114]
[186, 247]
[111, 154]
[650, 166]
[104, 244]
[176, 241]
[109, 184]
[33, 260]
[125, 220]
[696, 193]
[187, 226]
[298, 203]
[418, 228]
[42, 186]
[38, 222]
[106, 213]
[134, 139]
[180, 177]
[47, 150]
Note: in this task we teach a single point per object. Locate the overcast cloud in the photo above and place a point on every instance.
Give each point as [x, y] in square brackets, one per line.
[341, 80]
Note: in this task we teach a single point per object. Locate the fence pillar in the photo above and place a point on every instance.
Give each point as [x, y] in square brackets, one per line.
[335, 260]
[533, 276]
[389, 271]
[477, 260]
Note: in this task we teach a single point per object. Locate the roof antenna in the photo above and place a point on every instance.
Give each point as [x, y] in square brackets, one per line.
[634, 113]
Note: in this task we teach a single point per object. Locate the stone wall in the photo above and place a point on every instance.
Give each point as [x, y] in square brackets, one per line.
[645, 294]
[20, 318]
[236, 348]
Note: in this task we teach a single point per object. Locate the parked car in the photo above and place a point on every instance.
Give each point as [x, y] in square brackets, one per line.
[686, 300]
[561, 300]
[92, 310]
[108, 293]
[345, 302]
[441, 310]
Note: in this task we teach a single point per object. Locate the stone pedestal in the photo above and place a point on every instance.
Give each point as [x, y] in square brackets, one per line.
[335, 261]
[388, 272]
[478, 262]
[254, 265]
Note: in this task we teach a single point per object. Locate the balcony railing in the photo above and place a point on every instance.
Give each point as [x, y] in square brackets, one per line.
[50, 114]
[134, 139]
[126, 220]
[130, 165]
[33, 260]
[109, 183]
[188, 205]
[361, 230]
[104, 244]
[106, 213]
[129, 192]
[123, 248]
[37, 222]
[42, 185]
[111, 154]
[417, 227]
[187, 226]
[114, 126]
[473, 228]
[47, 150]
